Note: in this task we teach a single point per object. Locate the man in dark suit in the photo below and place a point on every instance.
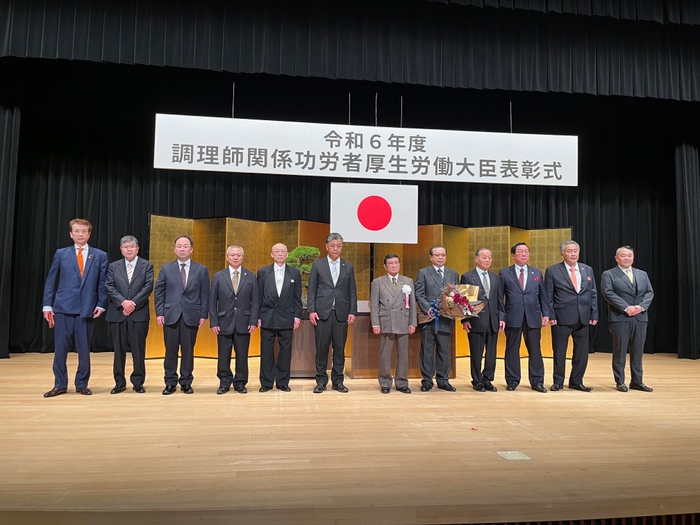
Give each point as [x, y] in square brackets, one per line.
[233, 316]
[525, 311]
[74, 295]
[482, 331]
[332, 305]
[279, 286]
[182, 305]
[629, 294]
[436, 334]
[394, 318]
[573, 301]
[129, 285]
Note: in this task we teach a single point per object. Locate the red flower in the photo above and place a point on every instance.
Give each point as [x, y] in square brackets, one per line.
[537, 277]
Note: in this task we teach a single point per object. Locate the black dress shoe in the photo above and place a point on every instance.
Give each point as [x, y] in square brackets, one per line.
[580, 388]
[318, 389]
[479, 387]
[641, 386]
[139, 389]
[284, 388]
[385, 390]
[341, 388]
[621, 387]
[222, 390]
[242, 390]
[265, 389]
[556, 387]
[448, 387]
[55, 392]
[117, 390]
[539, 388]
[490, 388]
[512, 386]
[187, 389]
[84, 391]
[169, 389]
[425, 388]
[404, 389]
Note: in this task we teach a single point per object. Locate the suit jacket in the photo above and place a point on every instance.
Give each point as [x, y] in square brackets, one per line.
[66, 292]
[429, 288]
[566, 305]
[234, 312]
[322, 293]
[173, 300]
[620, 293]
[518, 304]
[277, 312]
[119, 289]
[387, 305]
[488, 317]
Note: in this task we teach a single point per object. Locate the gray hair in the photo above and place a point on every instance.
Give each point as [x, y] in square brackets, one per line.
[478, 252]
[625, 247]
[566, 243]
[437, 246]
[128, 238]
[235, 246]
[333, 236]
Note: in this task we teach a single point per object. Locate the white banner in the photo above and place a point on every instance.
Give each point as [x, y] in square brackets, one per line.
[363, 152]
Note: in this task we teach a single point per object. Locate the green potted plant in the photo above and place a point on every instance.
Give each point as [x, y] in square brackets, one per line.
[302, 257]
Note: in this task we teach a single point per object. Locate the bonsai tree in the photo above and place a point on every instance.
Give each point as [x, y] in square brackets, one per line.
[301, 257]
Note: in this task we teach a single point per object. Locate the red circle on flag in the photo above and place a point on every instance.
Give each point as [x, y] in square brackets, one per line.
[374, 213]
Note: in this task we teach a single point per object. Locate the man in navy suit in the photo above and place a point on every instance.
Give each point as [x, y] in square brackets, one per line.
[573, 300]
[629, 294]
[332, 307]
[233, 316]
[482, 331]
[525, 311]
[182, 305]
[74, 295]
[129, 285]
[279, 286]
[436, 334]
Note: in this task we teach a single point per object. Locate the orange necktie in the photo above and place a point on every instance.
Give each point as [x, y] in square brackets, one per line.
[81, 266]
[573, 277]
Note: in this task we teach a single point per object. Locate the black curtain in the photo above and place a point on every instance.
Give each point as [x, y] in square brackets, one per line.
[9, 145]
[688, 197]
[86, 151]
[526, 46]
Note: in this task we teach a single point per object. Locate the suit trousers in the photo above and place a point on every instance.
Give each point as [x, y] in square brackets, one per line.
[478, 341]
[240, 344]
[580, 333]
[435, 354]
[69, 330]
[272, 371]
[179, 336]
[512, 358]
[386, 346]
[628, 336]
[131, 335]
[330, 331]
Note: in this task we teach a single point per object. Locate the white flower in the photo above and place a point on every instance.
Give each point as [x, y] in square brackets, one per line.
[406, 289]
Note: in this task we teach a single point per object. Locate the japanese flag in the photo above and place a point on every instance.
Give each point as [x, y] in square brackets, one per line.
[375, 212]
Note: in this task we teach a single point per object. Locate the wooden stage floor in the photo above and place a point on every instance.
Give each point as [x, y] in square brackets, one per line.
[362, 457]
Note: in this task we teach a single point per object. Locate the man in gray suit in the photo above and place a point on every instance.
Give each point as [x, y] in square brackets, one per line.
[629, 294]
[182, 305]
[393, 321]
[233, 316]
[482, 331]
[436, 334]
[129, 285]
[332, 305]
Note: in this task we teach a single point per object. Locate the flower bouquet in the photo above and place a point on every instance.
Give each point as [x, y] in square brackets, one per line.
[457, 301]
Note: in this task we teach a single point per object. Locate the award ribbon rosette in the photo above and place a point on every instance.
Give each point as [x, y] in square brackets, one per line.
[406, 296]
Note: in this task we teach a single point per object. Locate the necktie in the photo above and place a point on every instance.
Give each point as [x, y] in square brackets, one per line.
[442, 279]
[81, 265]
[129, 271]
[573, 277]
[521, 278]
[393, 281]
[628, 271]
[234, 281]
[279, 279]
[334, 272]
[485, 282]
[183, 275]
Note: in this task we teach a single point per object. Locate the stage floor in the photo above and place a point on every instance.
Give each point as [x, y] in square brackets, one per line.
[362, 457]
